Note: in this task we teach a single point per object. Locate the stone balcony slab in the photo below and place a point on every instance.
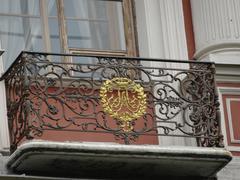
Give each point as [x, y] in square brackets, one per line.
[110, 160]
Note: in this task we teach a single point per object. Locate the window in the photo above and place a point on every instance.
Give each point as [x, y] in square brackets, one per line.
[66, 26]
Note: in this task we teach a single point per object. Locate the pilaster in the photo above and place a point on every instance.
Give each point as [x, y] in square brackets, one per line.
[217, 30]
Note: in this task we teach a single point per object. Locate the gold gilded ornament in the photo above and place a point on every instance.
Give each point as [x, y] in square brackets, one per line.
[124, 100]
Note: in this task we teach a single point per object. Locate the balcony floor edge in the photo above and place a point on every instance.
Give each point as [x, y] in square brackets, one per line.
[110, 160]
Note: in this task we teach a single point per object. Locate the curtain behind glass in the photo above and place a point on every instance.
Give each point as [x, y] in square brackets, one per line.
[94, 24]
[20, 28]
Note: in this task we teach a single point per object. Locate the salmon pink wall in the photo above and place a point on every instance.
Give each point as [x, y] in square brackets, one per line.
[189, 28]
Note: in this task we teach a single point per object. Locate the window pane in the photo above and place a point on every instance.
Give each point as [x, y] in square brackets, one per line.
[54, 35]
[95, 24]
[52, 8]
[86, 8]
[53, 27]
[18, 34]
[20, 28]
[28, 7]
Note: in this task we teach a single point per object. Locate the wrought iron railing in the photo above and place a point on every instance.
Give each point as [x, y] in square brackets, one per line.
[125, 98]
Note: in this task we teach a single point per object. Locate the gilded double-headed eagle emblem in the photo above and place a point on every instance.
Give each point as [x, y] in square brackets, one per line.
[124, 100]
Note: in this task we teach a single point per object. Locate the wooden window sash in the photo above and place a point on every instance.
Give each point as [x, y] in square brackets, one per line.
[130, 28]
[45, 25]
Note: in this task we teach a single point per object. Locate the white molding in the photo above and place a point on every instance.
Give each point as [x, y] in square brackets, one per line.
[229, 114]
[161, 30]
[216, 27]
[149, 29]
[233, 148]
[173, 28]
[223, 126]
[4, 133]
[229, 90]
[215, 48]
[229, 79]
[224, 53]
[161, 34]
[222, 91]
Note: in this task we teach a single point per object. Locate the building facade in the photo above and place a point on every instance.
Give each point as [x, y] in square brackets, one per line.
[199, 30]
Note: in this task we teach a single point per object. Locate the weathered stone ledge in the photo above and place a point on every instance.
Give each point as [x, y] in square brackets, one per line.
[110, 160]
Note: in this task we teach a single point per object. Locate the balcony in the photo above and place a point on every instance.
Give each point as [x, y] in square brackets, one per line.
[112, 110]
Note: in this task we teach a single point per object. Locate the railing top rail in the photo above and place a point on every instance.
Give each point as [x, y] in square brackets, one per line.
[119, 57]
[102, 56]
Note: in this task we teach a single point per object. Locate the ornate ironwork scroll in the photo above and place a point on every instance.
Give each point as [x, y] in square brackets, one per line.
[126, 97]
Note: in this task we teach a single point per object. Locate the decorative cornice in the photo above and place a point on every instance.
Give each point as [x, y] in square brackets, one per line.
[223, 46]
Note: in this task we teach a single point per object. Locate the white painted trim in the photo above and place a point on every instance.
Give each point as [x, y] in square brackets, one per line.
[216, 48]
[4, 133]
[222, 91]
[221, 78]
[229, 114]
[161, 34]
[149, 29]
[233, 148]
[161, 29]
[229, 90]
[173, 28]
[223, 126]
[216, 28]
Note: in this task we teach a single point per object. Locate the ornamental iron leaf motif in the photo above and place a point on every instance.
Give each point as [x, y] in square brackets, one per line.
[124, 100]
